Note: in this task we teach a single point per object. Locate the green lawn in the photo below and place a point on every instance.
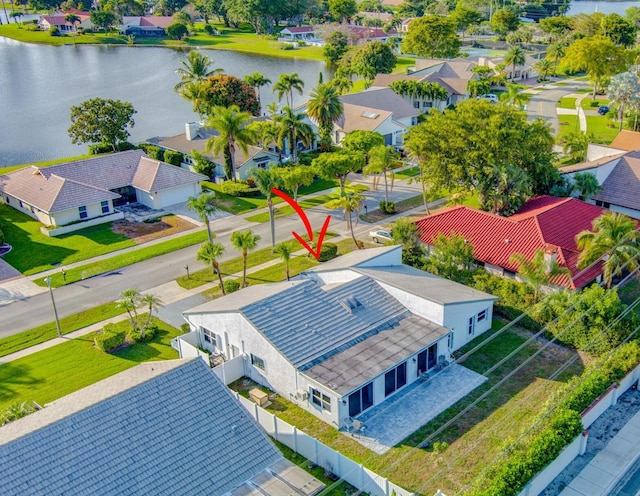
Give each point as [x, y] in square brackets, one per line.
[48, 331]
[567, 102]
[240, 40]
[47, 163]
[34, 252]
[600, 127]
[568, 124]
[240, 205]
[55, 372]
[407, 173]
[123, 259]
[589, 104]
[306, 203]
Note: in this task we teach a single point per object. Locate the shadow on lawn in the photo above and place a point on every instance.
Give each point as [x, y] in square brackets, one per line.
[14, 376]
[541, 367]
[142, 352]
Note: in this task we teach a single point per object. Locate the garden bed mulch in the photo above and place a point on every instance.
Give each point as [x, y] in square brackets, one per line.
[143, 232]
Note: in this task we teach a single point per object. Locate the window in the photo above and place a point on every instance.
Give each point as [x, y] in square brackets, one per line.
[361, 399]
[83, 212]
[427, 104]
[395, 379]
[416, 104]
[21, 204]
[481, 316]
[257, 361]
[320, 399]
[470, 326]
[211, 337]
[105, 207]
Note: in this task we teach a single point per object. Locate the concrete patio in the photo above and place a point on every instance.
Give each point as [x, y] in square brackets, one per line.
[393, 420]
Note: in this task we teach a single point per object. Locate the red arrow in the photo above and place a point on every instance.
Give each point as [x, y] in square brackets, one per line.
[307, 224]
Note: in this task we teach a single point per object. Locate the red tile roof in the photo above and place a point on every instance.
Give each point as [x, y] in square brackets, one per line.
[543, 222]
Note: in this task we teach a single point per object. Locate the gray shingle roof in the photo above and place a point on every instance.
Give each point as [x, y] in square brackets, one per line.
[158, 428]
[382, 99]
[623, 182]
[153, 175]
[306, 322]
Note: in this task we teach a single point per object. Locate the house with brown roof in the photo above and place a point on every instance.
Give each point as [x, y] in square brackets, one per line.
[145, 25]
[453, 75]
[195, 138]
[87, 192]
[619, 177]
[626, 141]
[544, 222]
[59, 20]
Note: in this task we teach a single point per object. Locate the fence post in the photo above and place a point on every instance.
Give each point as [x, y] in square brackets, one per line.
[583, 442]
[256, 411]
[275, 428]
[386, 487]
[315, 451]
[361, 476]
[614, 394]
[295, 439]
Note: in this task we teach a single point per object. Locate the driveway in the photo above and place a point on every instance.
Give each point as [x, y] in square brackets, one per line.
[545, 98]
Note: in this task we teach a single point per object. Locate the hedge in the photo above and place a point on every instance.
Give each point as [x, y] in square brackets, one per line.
[328, 251]
[109, 338]
[173, 158]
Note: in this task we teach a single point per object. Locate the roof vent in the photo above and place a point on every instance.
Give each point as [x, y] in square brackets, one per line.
[507, 241]
[234, 429]
[351, 304]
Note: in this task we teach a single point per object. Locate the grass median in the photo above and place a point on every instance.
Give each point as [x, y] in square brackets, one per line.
[122, 260]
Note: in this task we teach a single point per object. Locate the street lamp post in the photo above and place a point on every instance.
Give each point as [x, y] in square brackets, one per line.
[53, 302]
[186, 267]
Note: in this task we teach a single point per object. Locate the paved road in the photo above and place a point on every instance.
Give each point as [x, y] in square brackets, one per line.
[70, 299]
[543, 104]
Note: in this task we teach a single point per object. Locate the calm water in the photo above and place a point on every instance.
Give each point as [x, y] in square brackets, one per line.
[590, 7]
[39, 84]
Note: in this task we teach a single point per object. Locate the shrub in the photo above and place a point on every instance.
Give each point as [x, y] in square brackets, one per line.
[1, 237]
[149, 333]
[234, 188]
[109, 338]
[286, 46]
[125, 145]
[231, 285]
[173, 158]
[177, 31]
[100, 148]
[154, 152]
[210, 30]
[54, 31]
[185, 328]
[328, 251]
[388, 207]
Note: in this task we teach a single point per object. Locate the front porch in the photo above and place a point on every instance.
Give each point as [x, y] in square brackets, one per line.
[388, 423]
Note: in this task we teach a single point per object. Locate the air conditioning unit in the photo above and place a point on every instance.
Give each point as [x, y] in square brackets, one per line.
[301, 395]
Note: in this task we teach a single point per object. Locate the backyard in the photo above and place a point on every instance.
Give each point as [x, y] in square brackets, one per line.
[477, 437]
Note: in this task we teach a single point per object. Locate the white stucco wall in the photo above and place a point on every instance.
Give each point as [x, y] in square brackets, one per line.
[595, 151]
[635, 214]
[145, 198]
[601, 172]
[178, 194]
[417, 305]
[456, 318]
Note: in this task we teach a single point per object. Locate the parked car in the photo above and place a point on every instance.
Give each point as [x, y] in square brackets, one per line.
[380, 236]
[603, 110]
[489, 96]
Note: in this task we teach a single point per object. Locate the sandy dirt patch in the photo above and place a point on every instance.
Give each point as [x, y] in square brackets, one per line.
[143, 232]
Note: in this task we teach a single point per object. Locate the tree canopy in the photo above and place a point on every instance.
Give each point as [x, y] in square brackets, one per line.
[432, 36]
[504, 21]
[224, 90]
[369, 59]
[469, 148]
[101, 121]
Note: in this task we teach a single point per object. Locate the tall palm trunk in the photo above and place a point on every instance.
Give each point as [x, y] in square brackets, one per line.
[217, 268]
[386, 187]
[272, 221]
[244, 268]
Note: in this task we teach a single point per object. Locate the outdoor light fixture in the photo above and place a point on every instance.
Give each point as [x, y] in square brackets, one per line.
[414, 359]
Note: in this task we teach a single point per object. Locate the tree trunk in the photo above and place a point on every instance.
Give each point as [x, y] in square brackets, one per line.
[244, 269]
[386, 187]
[205, 219]
[353, 236]
[217, 267]
[286, 268]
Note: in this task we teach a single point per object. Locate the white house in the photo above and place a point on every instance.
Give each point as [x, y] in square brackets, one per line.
[87, 192]
[347, 335]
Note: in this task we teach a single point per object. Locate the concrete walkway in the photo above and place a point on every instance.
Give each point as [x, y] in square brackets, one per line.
[607, 468]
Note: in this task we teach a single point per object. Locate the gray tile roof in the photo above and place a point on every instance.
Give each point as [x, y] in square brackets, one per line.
[623, 183]
[355, 258]
[360, 363]
[306, 322]
[425, 285]
[158, 428]
[70, 185]
[384, 99]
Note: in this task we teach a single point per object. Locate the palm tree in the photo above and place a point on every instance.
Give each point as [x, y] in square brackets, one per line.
[350, 203]
[284, 250]
[615, 240]
[286, 84]
[257, 80]
[196, 92]
[210, 253]
[244, 242]
[293, 128]
[195, 70]
[130, 301]
[587, 184]
[555, 52]
[203, 205]
[514, 56]
[152, 302]
[539, 271]
[72, 19]
[382, 159]
[514, 96]
[266, 180]
[233, 133]
[325, 108]
[576, 144]
[543, 66]
[342, 85]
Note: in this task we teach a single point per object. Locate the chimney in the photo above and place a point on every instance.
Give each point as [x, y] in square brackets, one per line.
[191, 130]
[550, 257]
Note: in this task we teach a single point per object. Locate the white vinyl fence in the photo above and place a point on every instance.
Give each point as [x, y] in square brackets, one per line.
[313, 450]
[578, 446]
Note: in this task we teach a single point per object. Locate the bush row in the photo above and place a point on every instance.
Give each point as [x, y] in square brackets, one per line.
[110, 338]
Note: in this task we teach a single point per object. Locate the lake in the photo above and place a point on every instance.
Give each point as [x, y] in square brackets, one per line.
[40, 83]
[589, 7]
